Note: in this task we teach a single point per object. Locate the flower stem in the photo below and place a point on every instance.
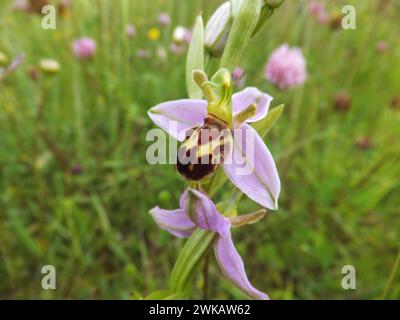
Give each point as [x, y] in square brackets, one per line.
[392, 275]
[205, 274]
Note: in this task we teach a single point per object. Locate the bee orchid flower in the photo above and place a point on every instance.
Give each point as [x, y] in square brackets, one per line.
[198, 211]
[186, 119]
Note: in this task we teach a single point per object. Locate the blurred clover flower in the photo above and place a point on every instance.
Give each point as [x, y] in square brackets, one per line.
[181, 35]
[286, 67]
[130, 30]
[84, 48]
[239, 77]
[198, 211]
[164, 19]
[29, 5]
[177, 49]
[143, 53]
[153, 34]
[342, 102]
[21, 5]
[49, 66]
[318, 11]
[221, 109]
[395, 103]
[382, 46]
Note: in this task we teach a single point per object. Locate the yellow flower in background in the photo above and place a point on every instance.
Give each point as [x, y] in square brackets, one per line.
[3, 59]
[153, 34]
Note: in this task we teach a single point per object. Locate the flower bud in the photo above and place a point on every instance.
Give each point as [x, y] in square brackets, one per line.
[243, 26]
[342, 102]
[395, 103]
[49, 66]
[3, 59]
[217, 30]
[273, 4]
[364, 143]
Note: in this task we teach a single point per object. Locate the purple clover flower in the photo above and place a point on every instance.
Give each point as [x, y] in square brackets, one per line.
[130, 30]
[204, 215]
[164, 19]
[239, 77]
[84, 48]
[286, 67]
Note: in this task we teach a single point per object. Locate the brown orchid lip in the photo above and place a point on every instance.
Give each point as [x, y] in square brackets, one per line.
[210, 137]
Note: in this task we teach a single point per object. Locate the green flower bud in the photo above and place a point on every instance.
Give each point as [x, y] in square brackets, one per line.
[251, 15]
[242, 29]
[273, 4]
[217, 30]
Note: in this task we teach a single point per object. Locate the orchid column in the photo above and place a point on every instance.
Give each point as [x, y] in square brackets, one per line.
[222, 139]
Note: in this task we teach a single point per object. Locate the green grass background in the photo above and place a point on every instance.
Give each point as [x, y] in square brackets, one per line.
[339, 204]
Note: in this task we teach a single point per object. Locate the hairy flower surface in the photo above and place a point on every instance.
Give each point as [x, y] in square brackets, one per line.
[286, 68]
[251, 167]
[198, 211]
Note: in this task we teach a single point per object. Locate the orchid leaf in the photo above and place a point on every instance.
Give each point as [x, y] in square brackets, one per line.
[165, 295]
[195, 58]
[176, 296]
[264, 126]
[189, 258]
[245, 219]
[158, 295]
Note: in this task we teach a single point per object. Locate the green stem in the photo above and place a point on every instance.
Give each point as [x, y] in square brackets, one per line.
[189, 258]
[205, 274]
[391, 276]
